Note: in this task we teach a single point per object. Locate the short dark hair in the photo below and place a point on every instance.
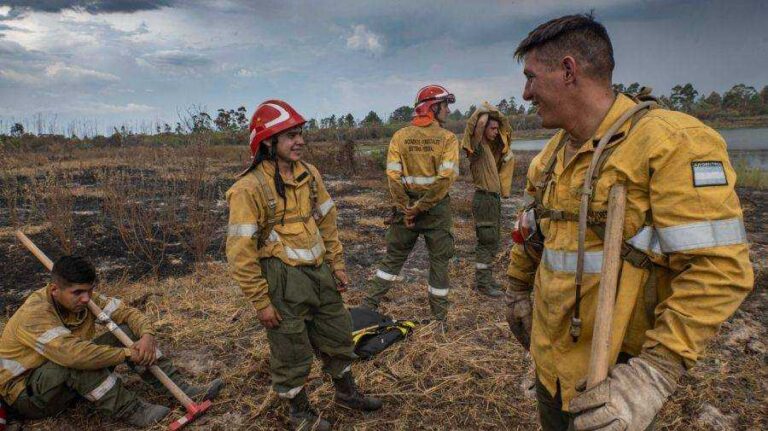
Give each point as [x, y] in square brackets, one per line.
[73, 270]
[577, 35]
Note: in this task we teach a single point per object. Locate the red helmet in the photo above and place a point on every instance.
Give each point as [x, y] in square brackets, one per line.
[431, 95]
[271, 118]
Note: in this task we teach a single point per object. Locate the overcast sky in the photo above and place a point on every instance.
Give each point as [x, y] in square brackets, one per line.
[119, 61]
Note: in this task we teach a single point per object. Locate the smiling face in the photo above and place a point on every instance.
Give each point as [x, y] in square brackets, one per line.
[290, 145]
[73, 297]
[546, 89]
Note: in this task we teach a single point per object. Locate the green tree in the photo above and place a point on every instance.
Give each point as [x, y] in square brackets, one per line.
[683, 97]
[347, 121]
[311, 124]
[372, 119]
[402, 114]
[456, 115]
[17, 130]
[740, 98]
[503, 106]
[470, 111]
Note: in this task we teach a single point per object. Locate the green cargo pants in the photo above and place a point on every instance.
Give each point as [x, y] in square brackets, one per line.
[314, 319]
[51, 388]
[436, 226]
[486, 209]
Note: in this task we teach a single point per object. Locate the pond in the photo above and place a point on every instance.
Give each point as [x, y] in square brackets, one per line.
[746, 145]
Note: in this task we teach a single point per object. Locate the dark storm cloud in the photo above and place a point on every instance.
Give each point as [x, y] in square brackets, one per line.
[91, 6]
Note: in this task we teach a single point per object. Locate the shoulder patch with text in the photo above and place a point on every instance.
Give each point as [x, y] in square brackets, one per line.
[709, 173]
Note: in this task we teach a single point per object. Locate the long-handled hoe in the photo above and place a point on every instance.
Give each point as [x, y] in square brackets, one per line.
[194, 410]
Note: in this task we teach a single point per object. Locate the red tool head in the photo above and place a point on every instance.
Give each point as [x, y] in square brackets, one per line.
[193, 412]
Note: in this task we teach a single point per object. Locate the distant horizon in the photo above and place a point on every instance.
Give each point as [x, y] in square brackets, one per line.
[114, 62]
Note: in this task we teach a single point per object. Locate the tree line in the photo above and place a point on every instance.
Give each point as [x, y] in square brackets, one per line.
[739, 101]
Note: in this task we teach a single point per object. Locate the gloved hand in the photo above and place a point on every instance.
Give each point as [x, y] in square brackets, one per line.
[630, 397]
[519, 315]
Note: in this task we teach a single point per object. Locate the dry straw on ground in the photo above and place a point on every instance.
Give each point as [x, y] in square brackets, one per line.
[475, 377]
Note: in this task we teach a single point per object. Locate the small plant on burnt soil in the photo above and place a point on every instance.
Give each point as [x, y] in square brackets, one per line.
[197, 231]
[142, 209]
[55, 202]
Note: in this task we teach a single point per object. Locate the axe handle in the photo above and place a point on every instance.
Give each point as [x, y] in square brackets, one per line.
[112, 326]
[601, 337]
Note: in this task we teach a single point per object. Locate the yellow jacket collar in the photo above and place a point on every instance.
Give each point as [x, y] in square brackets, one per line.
[620, 106]
[300, 173]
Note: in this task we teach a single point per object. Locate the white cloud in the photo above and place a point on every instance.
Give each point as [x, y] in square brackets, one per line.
[21, 78]
[364, 40]
[75, 73]
[106, 108]
[4, 10]
[244, 73]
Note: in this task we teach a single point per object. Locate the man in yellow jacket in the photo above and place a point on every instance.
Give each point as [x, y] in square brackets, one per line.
[49, 356]
[486, 141]
[284, 251]
[686, 261]
[422, 164]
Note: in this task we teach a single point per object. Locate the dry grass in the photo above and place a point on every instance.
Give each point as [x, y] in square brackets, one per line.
[476, 377]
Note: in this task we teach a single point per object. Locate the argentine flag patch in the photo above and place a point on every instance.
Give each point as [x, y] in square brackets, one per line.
[710, 173]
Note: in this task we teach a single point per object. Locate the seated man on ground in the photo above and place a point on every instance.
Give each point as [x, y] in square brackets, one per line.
[49, 356]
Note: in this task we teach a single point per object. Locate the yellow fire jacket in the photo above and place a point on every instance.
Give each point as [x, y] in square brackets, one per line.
[301, 234]
[492, 164]
[423, 161]
[682, 209]
[39, 332]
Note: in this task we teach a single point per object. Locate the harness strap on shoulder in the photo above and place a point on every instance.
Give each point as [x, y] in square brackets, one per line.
[271, 207]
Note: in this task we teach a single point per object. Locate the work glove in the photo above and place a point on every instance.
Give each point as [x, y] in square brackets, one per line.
[630, 397]
[519, 309]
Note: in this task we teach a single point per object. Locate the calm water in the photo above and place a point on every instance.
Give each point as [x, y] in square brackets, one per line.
[747, 145]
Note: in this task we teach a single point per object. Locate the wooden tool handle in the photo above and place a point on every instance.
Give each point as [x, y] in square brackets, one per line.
[33, 248]
[606, 297]
[112, 326]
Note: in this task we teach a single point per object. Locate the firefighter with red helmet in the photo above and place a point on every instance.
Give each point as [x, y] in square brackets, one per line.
[422, 163]
[284, 251]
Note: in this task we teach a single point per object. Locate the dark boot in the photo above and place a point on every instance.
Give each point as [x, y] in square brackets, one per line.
[303, 417]
[348, 395]
[486, 284]
[146, 414]
[207, 392]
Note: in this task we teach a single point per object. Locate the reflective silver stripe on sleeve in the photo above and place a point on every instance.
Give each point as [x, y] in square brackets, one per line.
[387, 276]
[13, 367]
[49, 335]
[705, 234]
[437, 292]
[303, 254]
[111, 307]
[291, 393]
[565, 261]
[245, 229]
[508, 156]
[421, 181]
[646, 240]
[325, 207]
[449, 165]
[273, 236]
[158, 354]
[99, 391]
[395, 166]
[479, 265]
